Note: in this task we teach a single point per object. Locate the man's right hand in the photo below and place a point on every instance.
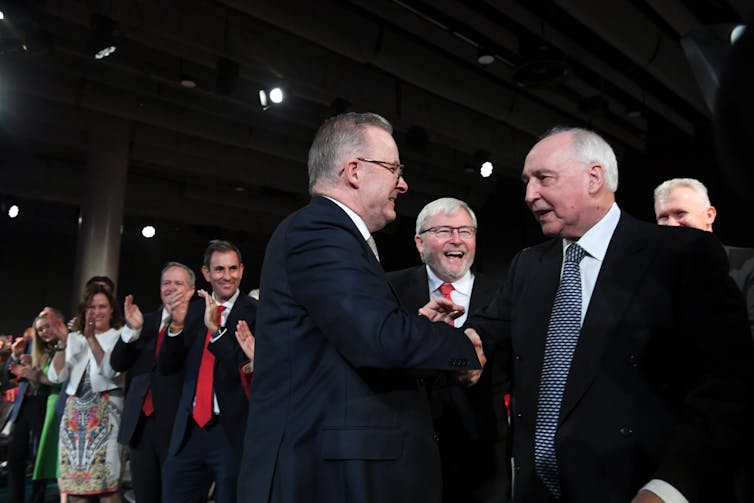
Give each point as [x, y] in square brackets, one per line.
[441, 309]
[132, 313]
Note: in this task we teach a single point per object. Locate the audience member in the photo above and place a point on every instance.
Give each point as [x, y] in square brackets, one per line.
[471, 422]
[207, 436]
[90, 456]
[685, 202]
[151, 397]
[27, 419]
[633, 378]
[332, 416]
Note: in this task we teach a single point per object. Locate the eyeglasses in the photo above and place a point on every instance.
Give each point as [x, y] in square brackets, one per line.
[395, 168]
[445, 231]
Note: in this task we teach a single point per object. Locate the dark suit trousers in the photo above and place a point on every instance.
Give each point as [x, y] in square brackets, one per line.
[148, 453]
[23, 441]
[205, 456]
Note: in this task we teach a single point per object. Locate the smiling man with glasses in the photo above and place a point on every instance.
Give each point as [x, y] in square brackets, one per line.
[471, 423]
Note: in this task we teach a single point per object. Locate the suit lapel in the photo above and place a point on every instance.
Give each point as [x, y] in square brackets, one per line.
[535, 301]
[624, 267]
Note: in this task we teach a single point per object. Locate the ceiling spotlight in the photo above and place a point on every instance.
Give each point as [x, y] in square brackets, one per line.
[148, 231]
[276, 95]
[486, 169]
[273, 97]
[188, 82]
[484, 57]
[2, 16]
[102, 41]
[736, 33]
[13, 211]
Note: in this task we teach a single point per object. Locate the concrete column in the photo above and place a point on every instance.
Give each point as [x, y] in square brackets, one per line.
[101, 217]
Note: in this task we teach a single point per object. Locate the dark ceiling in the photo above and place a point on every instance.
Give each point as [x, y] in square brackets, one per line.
[200, 153]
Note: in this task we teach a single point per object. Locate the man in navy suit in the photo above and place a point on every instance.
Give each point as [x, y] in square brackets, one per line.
[471, 422]
[335, 414]
[27, 419]
[151, 398]
[654, 400]
[207, 436]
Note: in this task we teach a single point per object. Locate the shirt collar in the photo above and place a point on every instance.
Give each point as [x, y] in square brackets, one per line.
[228, 303]
[358, 222]
[463, 285]
[165, 317]
[595, 240]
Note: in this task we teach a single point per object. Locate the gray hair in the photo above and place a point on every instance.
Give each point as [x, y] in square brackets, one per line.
[446, 205]
[590, 147]
[189, 271]
[339, 137]
[663, 190]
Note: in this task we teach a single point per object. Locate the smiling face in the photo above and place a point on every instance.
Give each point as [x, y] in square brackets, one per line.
[224, 274]
[100, 312]
[379, 187]
[449, 258]
[174, 279]
[42, 326]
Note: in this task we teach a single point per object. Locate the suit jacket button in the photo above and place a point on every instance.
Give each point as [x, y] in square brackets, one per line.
[626, 431]
[517, 356]
[435, 437]
[420, 381]
[519, 415]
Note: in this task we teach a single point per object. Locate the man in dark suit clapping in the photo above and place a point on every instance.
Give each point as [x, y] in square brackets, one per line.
[151, 397]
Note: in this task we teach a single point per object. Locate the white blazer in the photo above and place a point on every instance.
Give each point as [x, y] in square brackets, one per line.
[78, 354]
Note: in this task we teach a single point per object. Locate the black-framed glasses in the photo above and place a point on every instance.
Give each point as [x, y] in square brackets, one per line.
[445, 231]
[395, 168]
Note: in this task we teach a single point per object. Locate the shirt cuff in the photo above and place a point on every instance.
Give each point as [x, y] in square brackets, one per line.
[129, 335]
[216, 335]
[665, 491]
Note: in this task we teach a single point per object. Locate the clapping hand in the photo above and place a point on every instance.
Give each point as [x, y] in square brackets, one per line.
[132, 313]
[246, 341]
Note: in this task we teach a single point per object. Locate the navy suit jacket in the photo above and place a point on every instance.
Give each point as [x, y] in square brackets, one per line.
[334, 416]
[661, 379]
[184, 351]
[138, 360]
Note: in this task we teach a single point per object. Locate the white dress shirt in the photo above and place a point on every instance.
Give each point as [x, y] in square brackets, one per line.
[461, 293]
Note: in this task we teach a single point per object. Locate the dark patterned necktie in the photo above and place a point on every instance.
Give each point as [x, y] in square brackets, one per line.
[562, 336]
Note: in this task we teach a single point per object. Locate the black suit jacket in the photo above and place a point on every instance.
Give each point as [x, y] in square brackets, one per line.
[660, 381]
[138, 360]
[333, 415]
[478, 410]
[471, 422]
[184, 351]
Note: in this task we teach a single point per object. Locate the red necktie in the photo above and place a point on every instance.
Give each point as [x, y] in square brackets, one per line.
[148, 406]
[204, 383]
[445, 289]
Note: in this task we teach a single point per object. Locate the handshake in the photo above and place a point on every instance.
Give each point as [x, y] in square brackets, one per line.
[441, 309]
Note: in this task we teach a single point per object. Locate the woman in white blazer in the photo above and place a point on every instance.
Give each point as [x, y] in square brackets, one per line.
[89, 454]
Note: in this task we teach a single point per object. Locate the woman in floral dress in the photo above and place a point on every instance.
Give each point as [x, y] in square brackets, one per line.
[89, 454]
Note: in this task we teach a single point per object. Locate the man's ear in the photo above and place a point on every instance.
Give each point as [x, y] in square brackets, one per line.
[352, 173]
[596, 175]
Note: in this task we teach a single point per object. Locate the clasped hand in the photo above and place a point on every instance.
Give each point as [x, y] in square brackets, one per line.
[442, 309]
